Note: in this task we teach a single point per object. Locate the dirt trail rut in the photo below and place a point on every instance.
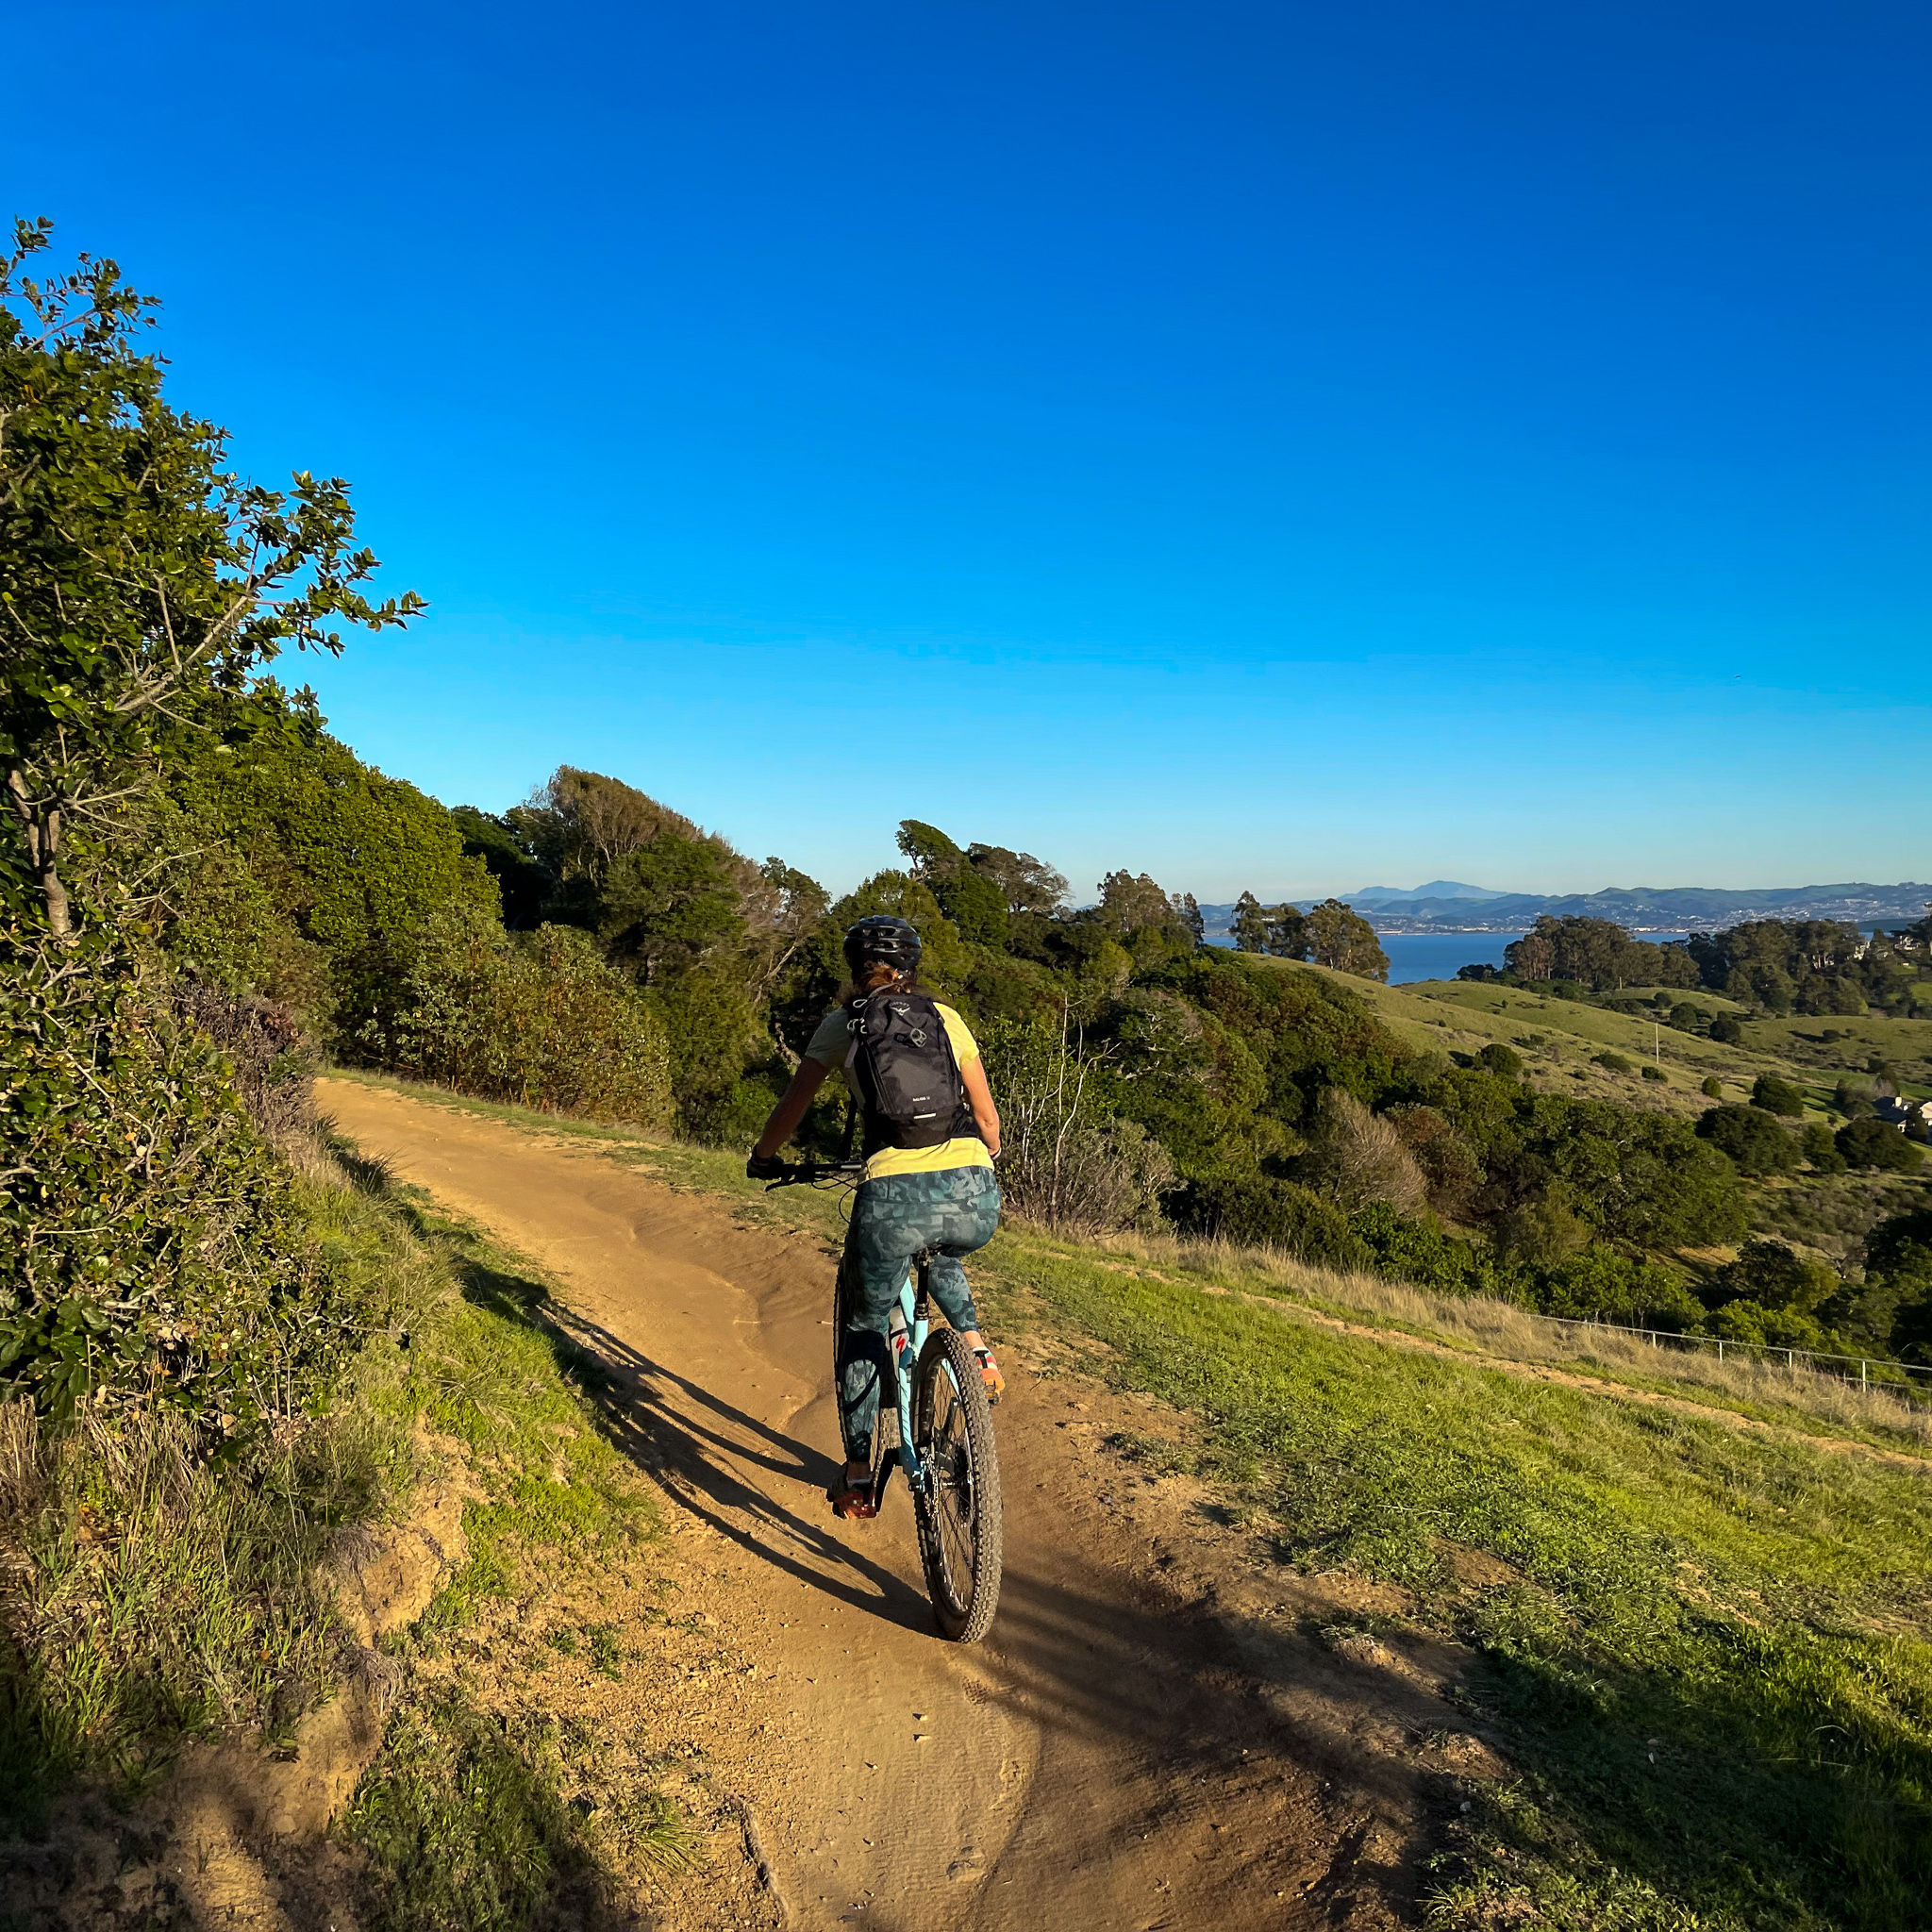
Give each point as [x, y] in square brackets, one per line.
[1136, 1745]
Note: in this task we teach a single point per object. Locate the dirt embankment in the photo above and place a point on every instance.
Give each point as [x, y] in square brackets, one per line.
[1152, 1736]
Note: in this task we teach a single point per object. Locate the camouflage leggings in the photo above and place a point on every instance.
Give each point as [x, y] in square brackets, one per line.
[893, 1219]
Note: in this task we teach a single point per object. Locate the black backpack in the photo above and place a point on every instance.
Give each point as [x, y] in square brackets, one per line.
[908, 1082]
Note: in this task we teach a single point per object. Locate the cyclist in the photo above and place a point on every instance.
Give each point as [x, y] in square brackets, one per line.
[940, 1197]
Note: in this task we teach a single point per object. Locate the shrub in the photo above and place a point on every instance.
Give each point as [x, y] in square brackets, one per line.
[1613, 1062]
[1653, 1072]
[1724, 1028]
[1449, 1165]
[1419, 1252]
[1713, 1088]
[541, 1019]
[1873, 1144]
[1498, 1059]
[151, 1250]
[1777, 1096]
[1773, 1275]
[1356, 1157]
[1261, 1211]
[1752, 1139]
[1600, 1283]
[1067, 1162]
[1821, 1149]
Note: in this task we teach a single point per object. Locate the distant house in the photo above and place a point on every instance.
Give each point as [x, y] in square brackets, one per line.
[1903, 1113]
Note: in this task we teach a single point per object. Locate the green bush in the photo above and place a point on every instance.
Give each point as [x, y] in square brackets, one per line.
[1602, 1284]
[1613, 1062]
[539, 1019]
[1820, 1148]
[1498, 1059]
[1653, 1072]
[1416, 1251]
[1261, 1211]
[1873, 1145]
[151, 1250]
[1727, 1030]
[1777, 1096]
[1712, 1087]
[1752, 1139]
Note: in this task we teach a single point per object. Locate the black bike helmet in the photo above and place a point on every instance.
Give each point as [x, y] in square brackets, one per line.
[882, 937]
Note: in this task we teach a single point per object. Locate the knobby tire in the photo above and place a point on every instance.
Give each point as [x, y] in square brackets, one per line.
[961, 1516]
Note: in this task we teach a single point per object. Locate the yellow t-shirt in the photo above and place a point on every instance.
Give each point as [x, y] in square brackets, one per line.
[829, 1045]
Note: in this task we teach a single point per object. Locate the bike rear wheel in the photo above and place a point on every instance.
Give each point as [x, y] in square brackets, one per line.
[960, 1517]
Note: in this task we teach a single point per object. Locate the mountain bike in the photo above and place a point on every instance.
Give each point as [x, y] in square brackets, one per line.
[940, 1433]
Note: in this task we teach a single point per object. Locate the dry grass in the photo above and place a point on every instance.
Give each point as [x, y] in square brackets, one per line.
[1505, 1333]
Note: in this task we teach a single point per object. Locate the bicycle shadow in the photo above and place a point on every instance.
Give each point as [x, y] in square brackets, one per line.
[688, 1438]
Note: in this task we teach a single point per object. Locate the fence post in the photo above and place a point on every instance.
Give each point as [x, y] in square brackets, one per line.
[1720, 1348]
[1862, 1382]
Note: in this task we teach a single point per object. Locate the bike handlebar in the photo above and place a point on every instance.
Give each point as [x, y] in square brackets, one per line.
[809, 1174]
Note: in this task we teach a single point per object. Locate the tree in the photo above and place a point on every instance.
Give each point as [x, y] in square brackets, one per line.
[975, 905]
[973, 900]
[1534, 955]
[1288, 933]
[1777, 1096]
[1725, 1030]
[1249, 927]
[1341, 937]
[933, 855]
[1029, 884]
[137, 575]
[1752, 1139]
[1820, 1148]
[1773, 1277]
[1498, 1059]
[1873, 1145]
[668, 905]
[579, 824]
[1131, 903]
[1712, 1087]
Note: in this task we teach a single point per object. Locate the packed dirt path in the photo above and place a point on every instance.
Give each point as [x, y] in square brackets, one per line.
[1136, 1745]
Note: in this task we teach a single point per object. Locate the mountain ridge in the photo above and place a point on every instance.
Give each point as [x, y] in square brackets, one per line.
[1642, 908]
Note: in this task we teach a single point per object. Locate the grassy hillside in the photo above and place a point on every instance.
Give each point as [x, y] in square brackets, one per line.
[1560, 1038]
[1693, 1600]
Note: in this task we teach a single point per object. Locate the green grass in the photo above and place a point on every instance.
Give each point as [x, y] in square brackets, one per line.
[1713, 1671]
[1479, 1012]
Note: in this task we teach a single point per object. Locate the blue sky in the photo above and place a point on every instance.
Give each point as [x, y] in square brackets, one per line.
[1269, 446]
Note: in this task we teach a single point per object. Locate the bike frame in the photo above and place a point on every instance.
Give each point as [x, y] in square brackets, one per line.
[915, 1309]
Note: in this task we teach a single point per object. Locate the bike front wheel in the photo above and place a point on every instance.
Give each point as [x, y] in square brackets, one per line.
[961, 1518]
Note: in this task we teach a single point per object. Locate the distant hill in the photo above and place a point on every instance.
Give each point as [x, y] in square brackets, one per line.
[1445, 906]
[1372, 896]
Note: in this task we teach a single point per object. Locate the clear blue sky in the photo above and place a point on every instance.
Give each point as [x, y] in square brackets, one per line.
[1270, 446]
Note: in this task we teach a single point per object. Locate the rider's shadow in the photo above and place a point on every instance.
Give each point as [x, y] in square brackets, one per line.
[678, 1431]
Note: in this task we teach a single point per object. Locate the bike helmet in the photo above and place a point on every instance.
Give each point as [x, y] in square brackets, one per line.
[881, 937]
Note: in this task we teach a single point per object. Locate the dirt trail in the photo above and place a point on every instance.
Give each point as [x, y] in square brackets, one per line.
[1145, 1740]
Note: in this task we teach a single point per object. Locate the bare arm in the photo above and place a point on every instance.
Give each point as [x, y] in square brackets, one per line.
[986, 1116]
[791, 1107]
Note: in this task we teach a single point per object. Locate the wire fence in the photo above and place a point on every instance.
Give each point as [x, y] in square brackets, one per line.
[1908, 1379]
